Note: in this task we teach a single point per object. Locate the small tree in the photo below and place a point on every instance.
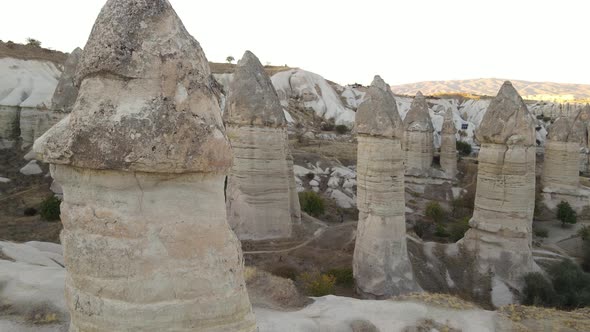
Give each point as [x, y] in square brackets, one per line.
[33, 42]
[566, 214]
[311, 203]
[435, 212]
[230, 59]
[50, 208]
[464, 148]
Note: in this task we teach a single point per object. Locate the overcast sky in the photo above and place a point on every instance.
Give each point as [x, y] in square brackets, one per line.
[350, 41]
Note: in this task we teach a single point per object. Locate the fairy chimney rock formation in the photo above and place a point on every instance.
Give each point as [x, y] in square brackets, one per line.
[561, 165]
[142, 160]
[380, 264]
[418, 141]
[262, 201]
[66, 91]
[448, 146]
[380, 83]
[501, 226]
[580, 134]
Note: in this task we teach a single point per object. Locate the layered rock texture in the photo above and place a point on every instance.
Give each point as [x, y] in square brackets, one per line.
[262, 201]
[380, 264]
[501, 230]
[142, 160]
[66, 91]
[418, 144]
[448, 145]
[565, 156]
[580, 133]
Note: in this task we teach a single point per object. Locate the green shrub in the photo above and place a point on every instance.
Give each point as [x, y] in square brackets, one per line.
[344, 277]
[311, 203]
[571, 284]
[546, 119]
[459, 228]
[441, 231]
[310, 176]
[540, 117]
[584, 233]
[33, 42]
[341, 129]
[538, 291]
[316, 284]
[541, 232]
[435, 212]
[569, 287]
[566, 214]
[49, 209]
[464, 148]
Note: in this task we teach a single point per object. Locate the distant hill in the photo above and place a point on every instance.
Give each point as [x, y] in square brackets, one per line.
[561, 92]
[29, 52]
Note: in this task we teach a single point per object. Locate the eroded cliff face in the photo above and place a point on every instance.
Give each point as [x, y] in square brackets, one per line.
[501, 230]
[142, 160]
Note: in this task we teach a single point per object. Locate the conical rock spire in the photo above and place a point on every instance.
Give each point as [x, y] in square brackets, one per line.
[507, 120]
[252, 98]
[147, 101]
[418, 118]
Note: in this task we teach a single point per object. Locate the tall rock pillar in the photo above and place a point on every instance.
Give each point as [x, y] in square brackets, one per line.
[561, 164]
[501, 232]
[142, 160]
[418, 141]
[259, 189]
[448, 146]
[380, 264]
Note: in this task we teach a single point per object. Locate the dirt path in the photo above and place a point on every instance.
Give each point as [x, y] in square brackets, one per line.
[316, 235]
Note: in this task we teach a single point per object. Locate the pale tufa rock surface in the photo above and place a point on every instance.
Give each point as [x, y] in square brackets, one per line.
[261, 202]
[418, 142]
[142, 160]
[501, 233]
[158, 110]
[381, 265]
[66, 91]
[448, 146]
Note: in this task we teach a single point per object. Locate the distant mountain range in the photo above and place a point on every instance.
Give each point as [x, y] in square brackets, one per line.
[561, 92]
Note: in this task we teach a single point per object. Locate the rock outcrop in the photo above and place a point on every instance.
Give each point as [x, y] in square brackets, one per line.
[262, 200]
[448, 146]
[142, 160]
[418, 144]
[380, 264]
[565, 156]
[66, 91]
[501, 226]
[580, 133]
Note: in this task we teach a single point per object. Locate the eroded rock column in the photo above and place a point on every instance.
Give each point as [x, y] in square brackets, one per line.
[501, 230]
[448, 146]
[380, 264]
[259, 190]
[418, 141]
[561, 166]
[142, 160]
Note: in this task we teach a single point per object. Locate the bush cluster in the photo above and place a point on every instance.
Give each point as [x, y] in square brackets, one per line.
[317, 284]
[435, 212]
[49, 209]
[568, 287]
[566, 214]
[464, 148]
[311, 203]
[344, 277]
[341, 129]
